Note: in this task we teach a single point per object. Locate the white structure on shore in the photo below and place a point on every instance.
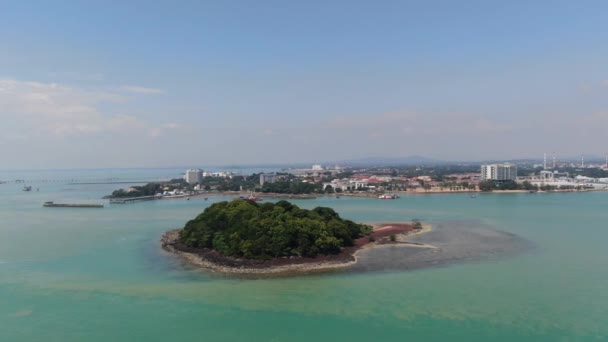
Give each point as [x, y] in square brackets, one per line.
[194, 176]
[317, 167]
[499, 172]
[563, 181]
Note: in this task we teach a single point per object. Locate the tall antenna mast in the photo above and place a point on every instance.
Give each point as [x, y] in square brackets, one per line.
[582, 160]
[553, 160]
[545, 161]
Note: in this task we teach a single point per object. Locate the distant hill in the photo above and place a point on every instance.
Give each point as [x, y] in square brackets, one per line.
[385, 161]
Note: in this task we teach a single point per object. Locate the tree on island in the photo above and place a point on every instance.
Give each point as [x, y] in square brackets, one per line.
[242, 228]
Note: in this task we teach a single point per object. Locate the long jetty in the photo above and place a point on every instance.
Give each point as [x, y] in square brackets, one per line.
[131, 199]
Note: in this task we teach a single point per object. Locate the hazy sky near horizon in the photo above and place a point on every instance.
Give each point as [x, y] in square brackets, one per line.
[165, 83]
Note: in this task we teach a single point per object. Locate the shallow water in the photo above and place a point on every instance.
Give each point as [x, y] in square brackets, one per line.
[99, 274]
[453, 242]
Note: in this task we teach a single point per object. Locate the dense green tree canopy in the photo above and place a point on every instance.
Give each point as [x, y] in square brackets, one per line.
[489, 185]
[244, 228]
[149, 189]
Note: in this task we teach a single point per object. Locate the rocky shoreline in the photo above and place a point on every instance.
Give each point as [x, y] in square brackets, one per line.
[213, 261]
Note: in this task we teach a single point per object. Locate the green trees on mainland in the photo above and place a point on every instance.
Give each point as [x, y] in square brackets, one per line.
[489, 185]
[291, 187]
[149, 189]
[243, 228]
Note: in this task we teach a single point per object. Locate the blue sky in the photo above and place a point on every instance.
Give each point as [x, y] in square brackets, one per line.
[139, 83]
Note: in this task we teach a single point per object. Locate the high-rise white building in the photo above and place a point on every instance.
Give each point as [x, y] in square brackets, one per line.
[317, 167]
[194, 176]
[499, 172]
[267, 178]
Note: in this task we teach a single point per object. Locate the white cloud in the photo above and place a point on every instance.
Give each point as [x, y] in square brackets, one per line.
[141, 90]
[171, 125]
[157, 132]
[598, 118]
[77, 76]
[37, 109]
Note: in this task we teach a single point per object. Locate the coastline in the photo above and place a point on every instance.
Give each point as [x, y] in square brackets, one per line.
[280, 196]
[212, 261]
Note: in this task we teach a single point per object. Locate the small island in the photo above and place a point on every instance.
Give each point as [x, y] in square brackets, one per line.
[242, 236]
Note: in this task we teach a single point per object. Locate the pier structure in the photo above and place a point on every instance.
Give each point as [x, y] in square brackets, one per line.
[132, 199]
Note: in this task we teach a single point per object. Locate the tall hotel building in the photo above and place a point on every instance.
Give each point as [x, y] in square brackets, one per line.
[499, 172]
[194, 176]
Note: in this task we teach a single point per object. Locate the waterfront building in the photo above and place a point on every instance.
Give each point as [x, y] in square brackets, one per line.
[553, 175]
[317, 168]
[337, 184]
[499, 172]
[267, 178]
[194, 176]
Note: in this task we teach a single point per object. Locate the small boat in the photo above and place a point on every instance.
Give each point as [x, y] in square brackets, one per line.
[251, 197]
[387, 196]
[27, 188]
[473, 196]
[206, 198]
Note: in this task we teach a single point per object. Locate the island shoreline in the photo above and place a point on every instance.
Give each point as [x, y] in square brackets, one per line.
[213, 261]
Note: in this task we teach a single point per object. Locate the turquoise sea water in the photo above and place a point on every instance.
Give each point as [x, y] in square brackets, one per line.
[99, 274]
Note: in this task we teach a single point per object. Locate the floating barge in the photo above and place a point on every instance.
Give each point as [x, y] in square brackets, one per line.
[75, 205]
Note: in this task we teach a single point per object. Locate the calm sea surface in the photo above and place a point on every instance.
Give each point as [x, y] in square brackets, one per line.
[99, 274]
